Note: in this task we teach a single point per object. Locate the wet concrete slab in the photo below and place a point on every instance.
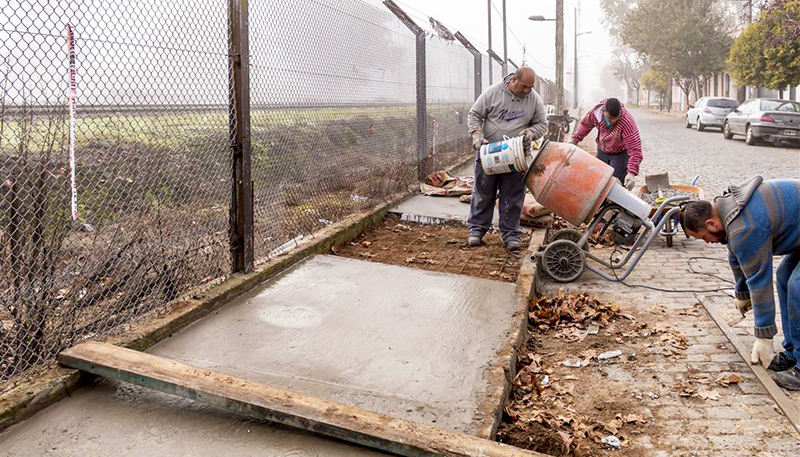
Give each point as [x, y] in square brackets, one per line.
[438, 210]
[123, 420]
[395, 340]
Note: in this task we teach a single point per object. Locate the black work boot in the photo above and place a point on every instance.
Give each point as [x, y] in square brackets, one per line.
[789, 379]
[781, 362]
[513, 244]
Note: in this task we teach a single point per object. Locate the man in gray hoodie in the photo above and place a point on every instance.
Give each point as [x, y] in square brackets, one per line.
[511, 108]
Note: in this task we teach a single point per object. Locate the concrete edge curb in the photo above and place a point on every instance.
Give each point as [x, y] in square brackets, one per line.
[57, 382]
[502, 372]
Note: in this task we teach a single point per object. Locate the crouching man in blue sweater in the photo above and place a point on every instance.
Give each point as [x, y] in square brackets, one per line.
[758, 220]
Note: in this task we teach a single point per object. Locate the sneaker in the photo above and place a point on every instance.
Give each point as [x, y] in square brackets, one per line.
[781, 362]
[789, 379]
[474, 240]
[513, 244]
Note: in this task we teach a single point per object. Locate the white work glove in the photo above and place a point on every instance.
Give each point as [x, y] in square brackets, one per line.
[478, 140]
[762, 352]
[743, 305]
[630, 181]
[527, 138]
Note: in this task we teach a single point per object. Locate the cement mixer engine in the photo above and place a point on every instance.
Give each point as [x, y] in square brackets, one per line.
[581, 189]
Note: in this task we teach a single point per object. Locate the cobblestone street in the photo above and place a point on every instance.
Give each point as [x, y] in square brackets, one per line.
[745, 421]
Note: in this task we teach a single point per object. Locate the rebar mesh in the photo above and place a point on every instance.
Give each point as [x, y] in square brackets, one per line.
[333, 130]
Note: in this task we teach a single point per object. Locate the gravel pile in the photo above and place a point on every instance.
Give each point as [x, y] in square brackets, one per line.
[651, 197]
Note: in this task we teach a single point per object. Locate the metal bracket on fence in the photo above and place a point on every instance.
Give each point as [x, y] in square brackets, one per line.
[478, 62]
[241, 211]
[422, 101]
[494, 56]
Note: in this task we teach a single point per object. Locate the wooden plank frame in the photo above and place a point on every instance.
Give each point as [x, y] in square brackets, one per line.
[294, 409]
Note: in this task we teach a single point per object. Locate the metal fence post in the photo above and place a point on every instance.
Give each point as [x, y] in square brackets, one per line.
[499, 60]
[241, 211]
[422, 98]
[478, 63]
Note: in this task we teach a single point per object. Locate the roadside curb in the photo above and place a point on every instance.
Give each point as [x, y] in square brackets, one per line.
[502, 373]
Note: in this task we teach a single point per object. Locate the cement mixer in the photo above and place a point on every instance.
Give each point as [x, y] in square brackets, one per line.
[581, 189]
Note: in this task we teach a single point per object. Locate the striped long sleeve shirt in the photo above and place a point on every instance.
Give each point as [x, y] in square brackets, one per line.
[623, 135]
[762, 220]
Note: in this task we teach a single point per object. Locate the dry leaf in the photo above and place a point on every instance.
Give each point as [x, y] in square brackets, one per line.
[709, 395]
[366, 244]
[726, 379]
[410, 260]
[367, 255]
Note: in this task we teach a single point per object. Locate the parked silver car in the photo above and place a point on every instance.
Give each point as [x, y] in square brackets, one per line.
[709, 112]
[764, 119]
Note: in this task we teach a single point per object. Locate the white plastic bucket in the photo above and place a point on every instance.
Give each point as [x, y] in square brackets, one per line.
[505, 156]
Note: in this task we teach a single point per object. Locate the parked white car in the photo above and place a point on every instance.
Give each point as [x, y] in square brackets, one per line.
[709, 112]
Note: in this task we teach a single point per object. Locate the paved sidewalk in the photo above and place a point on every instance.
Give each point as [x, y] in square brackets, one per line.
[745, 421]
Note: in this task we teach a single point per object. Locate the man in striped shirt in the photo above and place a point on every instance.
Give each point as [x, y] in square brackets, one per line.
[618, 142]
[757, 220]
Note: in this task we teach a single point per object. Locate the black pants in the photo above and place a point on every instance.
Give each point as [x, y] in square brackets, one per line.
[617, 160]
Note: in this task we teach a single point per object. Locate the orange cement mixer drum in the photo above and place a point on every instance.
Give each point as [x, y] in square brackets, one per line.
[569, 181]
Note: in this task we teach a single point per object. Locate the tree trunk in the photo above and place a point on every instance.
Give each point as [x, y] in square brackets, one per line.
[669, 95]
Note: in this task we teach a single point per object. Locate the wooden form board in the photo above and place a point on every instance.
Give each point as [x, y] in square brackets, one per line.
[294, 409]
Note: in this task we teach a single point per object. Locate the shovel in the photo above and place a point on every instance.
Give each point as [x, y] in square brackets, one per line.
[657, 183]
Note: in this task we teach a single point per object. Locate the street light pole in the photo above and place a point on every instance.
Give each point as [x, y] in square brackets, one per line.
[505, 43]
[489, 17]
[559, 56]
[575, 63]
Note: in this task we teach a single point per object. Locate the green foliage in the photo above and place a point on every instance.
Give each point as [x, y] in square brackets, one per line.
[614, 12]
[767, 53]
[688, 38]
[655, 80]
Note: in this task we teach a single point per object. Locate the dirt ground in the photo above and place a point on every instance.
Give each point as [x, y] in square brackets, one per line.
[436, 248]
[572, 391]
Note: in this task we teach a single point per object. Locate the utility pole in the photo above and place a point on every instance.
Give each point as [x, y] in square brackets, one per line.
[559, 56]
[489, 16]
[505, 42]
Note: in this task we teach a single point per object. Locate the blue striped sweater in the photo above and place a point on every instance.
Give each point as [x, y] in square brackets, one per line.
[762, 219]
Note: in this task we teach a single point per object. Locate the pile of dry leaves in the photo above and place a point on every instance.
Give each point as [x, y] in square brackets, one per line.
[575, 310]
[541, 415]
[545, 419]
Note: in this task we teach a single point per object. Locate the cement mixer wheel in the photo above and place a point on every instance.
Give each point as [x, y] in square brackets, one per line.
[566, 234]
[563, 260]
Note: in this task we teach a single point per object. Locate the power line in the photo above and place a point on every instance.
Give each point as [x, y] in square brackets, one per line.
[518, 40]
[423, 17]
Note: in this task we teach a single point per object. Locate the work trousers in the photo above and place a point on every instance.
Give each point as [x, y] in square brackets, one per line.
[787, 278]
[618, 161]
[512, 195]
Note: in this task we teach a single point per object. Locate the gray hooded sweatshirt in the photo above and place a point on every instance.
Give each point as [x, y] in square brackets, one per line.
[498, 112]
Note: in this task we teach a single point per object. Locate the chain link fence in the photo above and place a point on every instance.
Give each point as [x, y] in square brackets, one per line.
[333, 129]
[152, 167]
